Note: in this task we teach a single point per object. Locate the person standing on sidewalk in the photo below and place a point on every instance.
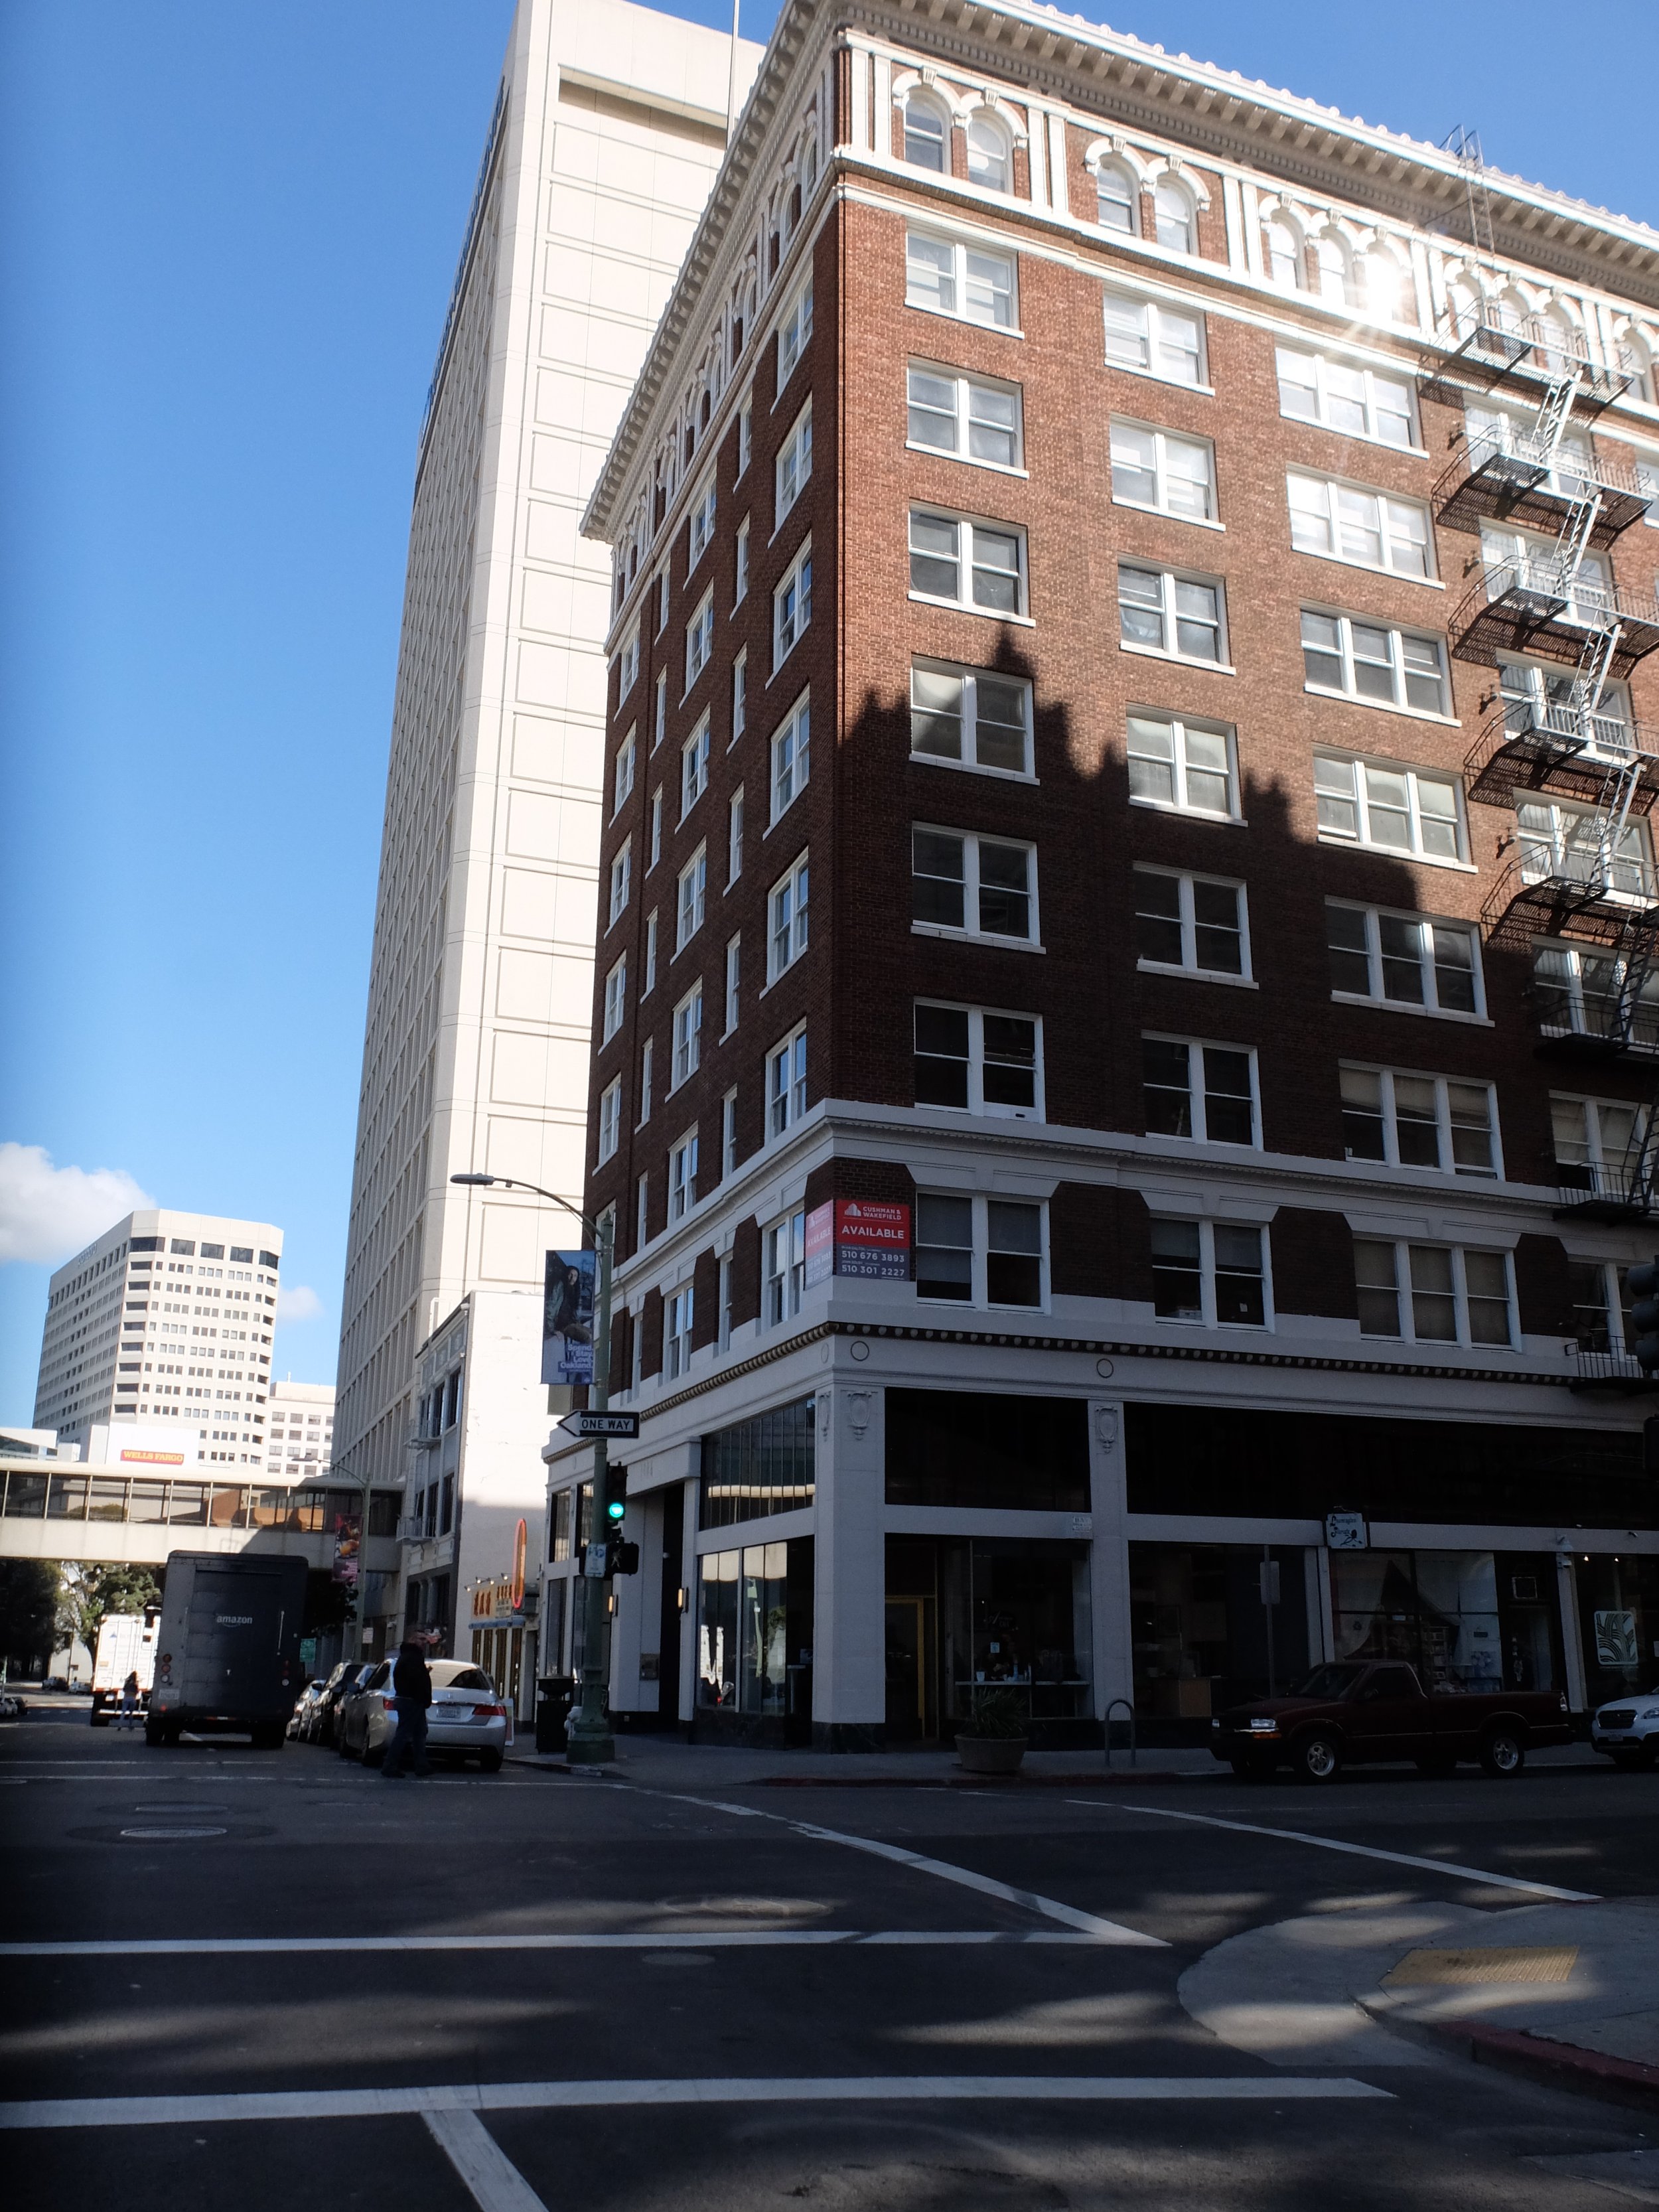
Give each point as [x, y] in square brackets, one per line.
[411, 1689]
[130, 1695]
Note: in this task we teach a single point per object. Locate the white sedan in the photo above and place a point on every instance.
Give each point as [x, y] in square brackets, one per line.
[466, 1718]
[1627, 1731]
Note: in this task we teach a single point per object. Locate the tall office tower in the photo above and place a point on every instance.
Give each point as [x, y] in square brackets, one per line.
[168, 1317]
[1126, 1021]
[607, 129]
[300, 1431]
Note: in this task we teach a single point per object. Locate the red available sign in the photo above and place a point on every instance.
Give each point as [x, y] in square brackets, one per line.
[868, 1221]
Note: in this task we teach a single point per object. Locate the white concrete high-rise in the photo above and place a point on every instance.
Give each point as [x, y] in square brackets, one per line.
[300, 1431]
[608, 130]
[168, 1316]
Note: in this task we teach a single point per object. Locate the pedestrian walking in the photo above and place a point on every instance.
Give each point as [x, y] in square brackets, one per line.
[129, 1701]
[411, 1689]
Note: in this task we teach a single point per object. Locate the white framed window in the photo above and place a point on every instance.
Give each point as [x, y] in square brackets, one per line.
[654, 849]
[659, 594]
[792, 606]
[1117, 199]
[1179, 617]
[1566, 843]
[723, 1294]
[1176, 216]
[1521, 556]
[622, 786]
[642, 1237]
[784, 1258]
[1411, 1121]
[700, 529]
[1598, 1143]
[1433, 1293]
[1206, 1091]
[1390, 808]
[1366, 529]
[729, 1132]
[734, 837]
[977, 566]
[1598, 1293]
[978, 1061]
[622, 869]
[794, 333]
[969, 416]
[982, 1251]
[677, 1332]
[990, 157]
[786, 1083]
[1189, 766]
[660, 714]
[745, 433]
[628, 664]
[971, 717]
[1287, 265]
[649, 983]
[733, 981]
[1374, 663]
[972, 885]
[792, 755]
[1581, 990]
[740, 564]
[927, 134]
[1166, 474]
[648, 1069]
[1359, 402]
[793, 467]
[787, 918]
[739, 694]
[610, 1120]
[1538, 697]
[699, 638]
[1154, 340]
[692, 898]
[616, 998]
[946, 278]
[1198, 924]
[1338, 284]
[1213, 1272]
[693, 766]
[1402, 960]
[683, 1177]
[688, 1035]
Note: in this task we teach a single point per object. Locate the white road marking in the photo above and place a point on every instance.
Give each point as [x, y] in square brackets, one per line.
[531, 2096]
[496, 2183]
[169, 1946]
[1102, 1931]
[1358, 1851]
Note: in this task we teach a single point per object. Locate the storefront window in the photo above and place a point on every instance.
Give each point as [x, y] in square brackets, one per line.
[1465, 1621]
[758, 1466]
[1619, 1618]
[1210, 1629]
[966, 1614]
[753, 1627]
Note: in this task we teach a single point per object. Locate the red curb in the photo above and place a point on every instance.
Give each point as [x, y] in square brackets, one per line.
[1544, 2058]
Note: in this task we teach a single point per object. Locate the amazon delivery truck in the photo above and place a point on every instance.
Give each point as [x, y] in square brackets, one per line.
[227, 1650]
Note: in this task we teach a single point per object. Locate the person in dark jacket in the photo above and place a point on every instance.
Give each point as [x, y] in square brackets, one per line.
[411, 1688]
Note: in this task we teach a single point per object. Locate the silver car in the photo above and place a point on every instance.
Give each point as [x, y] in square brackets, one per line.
[466, 1718]
[1627, 1730]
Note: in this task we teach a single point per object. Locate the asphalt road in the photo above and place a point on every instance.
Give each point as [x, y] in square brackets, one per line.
[535, 1989]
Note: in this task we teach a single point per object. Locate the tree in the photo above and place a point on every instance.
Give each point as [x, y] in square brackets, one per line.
[87, 1593]
[28, 1611]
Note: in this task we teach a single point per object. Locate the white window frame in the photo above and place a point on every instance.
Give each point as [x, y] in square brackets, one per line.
[786, 1083]
[1524, 687]
[1170, 617]
[1405, 1288]
[1163, 441]
[1154, 356]
[1606, 1172]
[1182, 769]
[621, 875]
[978, 1105]
[963, 386]
[984, 127]
[792, 471]
[967, 282]
[1333, 490]
[1208, 1315]
[965, 564]
[676, 1326]
[1197, 1109]
[659, 591]
[789, 917]
[723, 1298]
[683, 1177]
[1188, 879]
[1445, 1163]
[979, 1266]
[691, 898]
[783, 1268]
[790, 758]
[627, 764]
[1398, 701]
[1549, 848]
[1333, 762]
[971, 842]
[660, 712]
[693, 765]
[699, 638]
[1430, 1003]
[740, 697]
[969, 676]
[740, 564]
[792, 606]
[745, 432]
[733, 981]
[649, 982]
[1570, 980]
[687, 1037]
[642, 1237]
[654, 848]
[729, 1132]
[628, 663]
[1321, 365]
[610, 1120]
[734, 837]
[794, 334]
[616, 998]
[700, 524]
[647, 1070]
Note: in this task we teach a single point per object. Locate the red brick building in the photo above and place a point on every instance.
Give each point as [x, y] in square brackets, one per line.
[1124, 1037]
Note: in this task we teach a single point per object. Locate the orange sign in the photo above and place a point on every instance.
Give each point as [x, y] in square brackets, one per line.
[156, 1458]
[520, 1548]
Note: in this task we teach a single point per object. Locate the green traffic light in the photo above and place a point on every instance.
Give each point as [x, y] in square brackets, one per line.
[616, 1510]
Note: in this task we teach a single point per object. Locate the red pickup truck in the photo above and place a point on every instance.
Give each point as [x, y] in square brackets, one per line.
[1352, 1710]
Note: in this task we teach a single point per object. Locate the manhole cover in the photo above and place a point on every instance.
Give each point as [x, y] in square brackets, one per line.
[1458, 1969]
[171, 1835]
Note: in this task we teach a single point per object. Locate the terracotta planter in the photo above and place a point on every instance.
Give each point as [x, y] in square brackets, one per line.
[991, 1754]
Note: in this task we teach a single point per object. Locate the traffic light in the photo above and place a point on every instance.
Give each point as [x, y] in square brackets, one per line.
[624, 1558]
[1642, 1285]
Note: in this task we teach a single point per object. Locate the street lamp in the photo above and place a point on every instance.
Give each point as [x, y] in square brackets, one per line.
[588, 1740]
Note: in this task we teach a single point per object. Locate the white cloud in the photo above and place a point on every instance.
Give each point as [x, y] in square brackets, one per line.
[296, 1302]
[48, 1213]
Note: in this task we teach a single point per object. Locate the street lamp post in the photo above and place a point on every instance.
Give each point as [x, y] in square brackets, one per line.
[588, 1740]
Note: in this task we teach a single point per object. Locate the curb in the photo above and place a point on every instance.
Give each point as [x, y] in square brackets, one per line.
[1563, 2065]
[960, 1781]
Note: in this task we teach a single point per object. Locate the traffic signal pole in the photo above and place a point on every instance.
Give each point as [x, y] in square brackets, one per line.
[588, 1740]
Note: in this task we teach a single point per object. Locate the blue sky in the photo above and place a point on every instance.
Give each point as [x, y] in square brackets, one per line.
[228, 234]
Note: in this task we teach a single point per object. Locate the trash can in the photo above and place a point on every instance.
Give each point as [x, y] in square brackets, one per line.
[554, 1694]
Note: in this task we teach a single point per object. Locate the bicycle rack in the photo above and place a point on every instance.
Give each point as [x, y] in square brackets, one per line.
[1110, 1710]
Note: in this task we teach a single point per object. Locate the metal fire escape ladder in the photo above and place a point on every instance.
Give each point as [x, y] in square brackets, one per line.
[1466, 145]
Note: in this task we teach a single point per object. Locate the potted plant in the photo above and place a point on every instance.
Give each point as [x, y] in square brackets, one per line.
[994, 1741]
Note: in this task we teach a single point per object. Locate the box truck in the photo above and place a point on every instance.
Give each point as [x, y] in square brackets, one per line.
[126, 1645]
[227, 1649]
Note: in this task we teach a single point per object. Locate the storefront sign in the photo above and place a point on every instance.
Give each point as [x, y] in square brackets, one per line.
[858, 1236]
[1346, 1532]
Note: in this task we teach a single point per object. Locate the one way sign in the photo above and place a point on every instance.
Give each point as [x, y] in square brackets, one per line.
[601, 1425]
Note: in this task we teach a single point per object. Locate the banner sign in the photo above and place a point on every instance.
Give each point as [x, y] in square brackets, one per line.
[348, 1543]
[859, 1236]
[567, 1318]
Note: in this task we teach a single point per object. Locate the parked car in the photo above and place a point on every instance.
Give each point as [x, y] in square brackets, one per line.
[467, 1719]
[1347, 1712]
[348, 1675]
[12, 1707]
[303, 1719]
[1627, 1730]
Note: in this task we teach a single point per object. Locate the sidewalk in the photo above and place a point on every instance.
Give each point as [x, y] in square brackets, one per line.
[666, 1762]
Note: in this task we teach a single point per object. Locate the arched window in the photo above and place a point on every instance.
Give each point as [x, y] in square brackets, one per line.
[1635, 356]
[1173, 205]
[1560, 347]
[1285, 266]
[1336, 280]
[1386, 290]
[990, 163]
[1463, 308]
[1117, 199]
[924, 135]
